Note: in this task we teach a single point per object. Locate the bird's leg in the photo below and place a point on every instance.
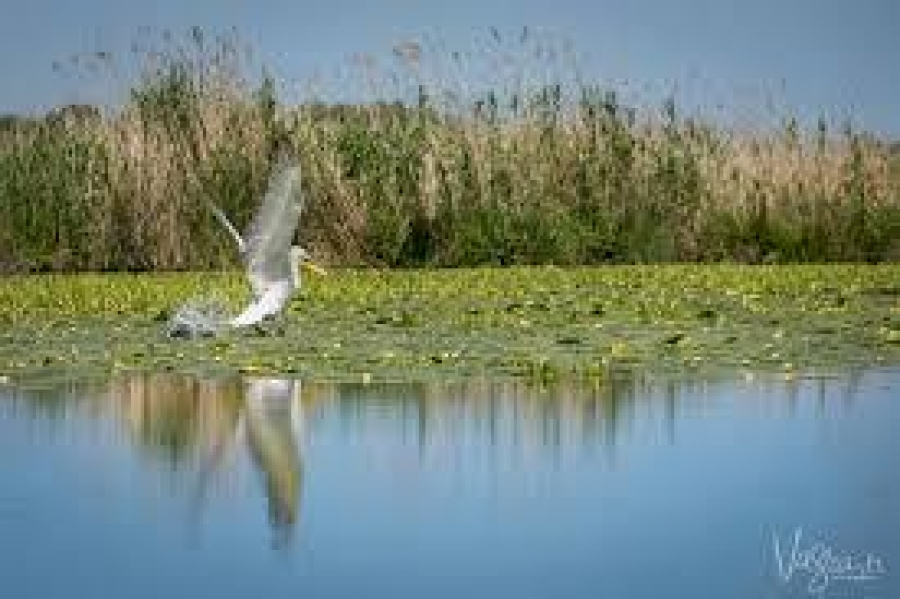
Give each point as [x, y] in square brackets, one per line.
[271, 325]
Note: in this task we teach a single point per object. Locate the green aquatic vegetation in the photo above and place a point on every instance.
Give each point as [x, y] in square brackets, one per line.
[540, 322]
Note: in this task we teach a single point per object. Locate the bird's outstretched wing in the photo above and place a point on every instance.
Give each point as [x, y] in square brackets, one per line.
[269, 236]
[242, 246]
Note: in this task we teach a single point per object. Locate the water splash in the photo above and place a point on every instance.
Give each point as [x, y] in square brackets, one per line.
[199, 317]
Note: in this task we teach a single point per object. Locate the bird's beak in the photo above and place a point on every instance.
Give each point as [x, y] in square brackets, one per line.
[315, 267]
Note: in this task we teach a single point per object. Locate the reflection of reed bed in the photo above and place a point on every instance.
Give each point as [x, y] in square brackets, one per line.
[515, 414]
[462, 174]
[178, 414]
[436, 425]
[194, 424]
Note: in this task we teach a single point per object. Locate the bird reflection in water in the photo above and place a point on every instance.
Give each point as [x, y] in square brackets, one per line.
[269, 424]
[273, 424]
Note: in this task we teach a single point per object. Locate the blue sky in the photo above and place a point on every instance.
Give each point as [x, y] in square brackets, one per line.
[810, 56]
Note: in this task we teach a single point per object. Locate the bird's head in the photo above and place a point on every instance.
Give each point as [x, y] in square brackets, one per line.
[301, 257]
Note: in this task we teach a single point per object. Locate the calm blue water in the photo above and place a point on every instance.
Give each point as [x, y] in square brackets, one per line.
[170, 486]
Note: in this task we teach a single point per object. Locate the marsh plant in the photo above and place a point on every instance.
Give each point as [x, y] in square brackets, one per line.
[441, 165]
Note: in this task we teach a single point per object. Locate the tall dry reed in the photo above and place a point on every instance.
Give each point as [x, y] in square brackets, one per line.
[436, 172]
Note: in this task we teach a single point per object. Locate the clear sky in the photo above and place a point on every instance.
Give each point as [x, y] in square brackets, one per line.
[814, 56]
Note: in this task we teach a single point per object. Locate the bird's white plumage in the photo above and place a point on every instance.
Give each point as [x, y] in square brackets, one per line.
[272, 262]
[269, 236]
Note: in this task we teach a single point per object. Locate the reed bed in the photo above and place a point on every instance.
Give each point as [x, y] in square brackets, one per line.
[432, 173]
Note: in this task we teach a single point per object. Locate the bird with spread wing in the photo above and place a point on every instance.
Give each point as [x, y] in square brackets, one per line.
[272, 261]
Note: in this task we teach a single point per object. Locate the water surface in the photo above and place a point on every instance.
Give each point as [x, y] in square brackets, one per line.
[637, 486]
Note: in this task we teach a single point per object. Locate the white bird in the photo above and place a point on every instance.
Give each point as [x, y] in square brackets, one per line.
[273, 264]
